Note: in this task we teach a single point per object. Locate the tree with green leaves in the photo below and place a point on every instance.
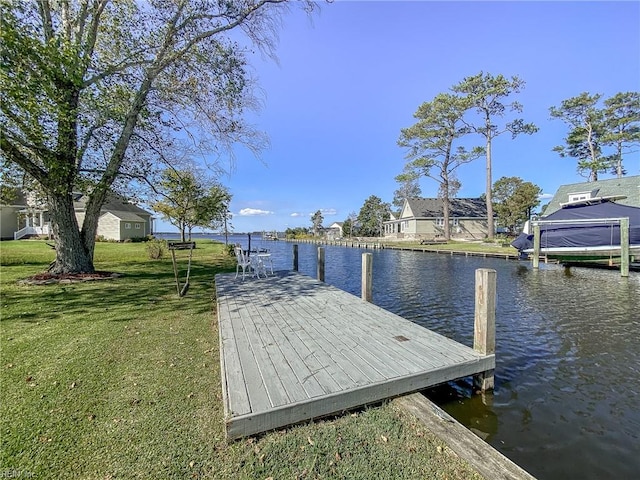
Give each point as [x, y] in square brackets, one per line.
[487, 95]
[316, 222]
[350, 225]
[599, 135]
[97, 93]
[372, 216]
[187, 202]
[622, 122]
[514, 200]
[431, 150]
[409, 187]
[212, 210]
[297, 232]
[584, 140]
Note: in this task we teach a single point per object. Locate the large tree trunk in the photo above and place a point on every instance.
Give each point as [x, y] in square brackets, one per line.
[71, 254]
[489, 194]
[446, 210]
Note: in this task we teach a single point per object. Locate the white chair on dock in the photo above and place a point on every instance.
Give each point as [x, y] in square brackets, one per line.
[243, 262]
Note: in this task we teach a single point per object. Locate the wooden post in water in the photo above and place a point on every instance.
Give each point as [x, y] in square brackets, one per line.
[367, 277]
[295, 258]
[536, 246]
[484, 337]
[321, 264]
[624, 247]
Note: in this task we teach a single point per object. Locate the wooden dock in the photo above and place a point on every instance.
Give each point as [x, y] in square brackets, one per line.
[293, 348]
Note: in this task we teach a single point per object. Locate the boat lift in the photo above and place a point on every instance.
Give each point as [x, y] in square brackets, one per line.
[624, 237]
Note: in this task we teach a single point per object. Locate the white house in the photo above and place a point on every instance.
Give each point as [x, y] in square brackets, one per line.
[334, 231]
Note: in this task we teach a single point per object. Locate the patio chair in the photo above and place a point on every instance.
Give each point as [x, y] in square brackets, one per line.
[243, 262]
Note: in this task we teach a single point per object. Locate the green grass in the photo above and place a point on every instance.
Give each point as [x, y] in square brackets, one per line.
[120, 379]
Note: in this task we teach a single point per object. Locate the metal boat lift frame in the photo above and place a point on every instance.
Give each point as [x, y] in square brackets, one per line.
[624, 237]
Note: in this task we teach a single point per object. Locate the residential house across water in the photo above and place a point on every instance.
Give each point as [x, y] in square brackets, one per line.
[423, 219]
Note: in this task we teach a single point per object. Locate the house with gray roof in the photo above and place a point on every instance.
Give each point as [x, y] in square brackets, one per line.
[625, 191]
[423, 219]
[119, 219]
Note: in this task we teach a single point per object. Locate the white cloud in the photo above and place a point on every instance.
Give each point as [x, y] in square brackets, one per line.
[323, 211]
[545, 196]
[328, 211]
[252, 212]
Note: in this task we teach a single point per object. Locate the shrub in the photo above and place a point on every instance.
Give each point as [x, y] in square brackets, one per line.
[156, 249]
[102, 238]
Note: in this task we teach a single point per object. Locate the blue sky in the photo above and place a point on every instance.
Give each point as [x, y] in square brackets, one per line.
[350, 78]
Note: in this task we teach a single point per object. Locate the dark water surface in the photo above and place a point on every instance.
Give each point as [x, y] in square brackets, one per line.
[567, 398]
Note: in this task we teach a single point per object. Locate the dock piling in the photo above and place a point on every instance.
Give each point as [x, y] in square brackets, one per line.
[484, 338]
[536, 246]
[295, 257]
[367, 277]
[321, 264]
[624, 247]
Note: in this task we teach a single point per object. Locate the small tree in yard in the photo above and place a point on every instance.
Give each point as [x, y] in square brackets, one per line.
[371, 217]
[514, 200]
[94, 93]
[187, 202]
[316, 221]
[350, 226]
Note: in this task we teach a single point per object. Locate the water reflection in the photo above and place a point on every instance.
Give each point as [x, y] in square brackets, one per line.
[567, 353]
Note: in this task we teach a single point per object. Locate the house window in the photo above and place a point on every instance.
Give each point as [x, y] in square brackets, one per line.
[452, 221]
[578, 196]
[127, 226]
[137, 226]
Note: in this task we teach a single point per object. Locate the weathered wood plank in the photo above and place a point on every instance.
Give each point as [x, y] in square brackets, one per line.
[233, 382]
[317, 362]
[280, 380]
[485, 459]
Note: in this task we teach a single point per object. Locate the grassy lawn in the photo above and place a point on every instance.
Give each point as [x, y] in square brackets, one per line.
[120, 379]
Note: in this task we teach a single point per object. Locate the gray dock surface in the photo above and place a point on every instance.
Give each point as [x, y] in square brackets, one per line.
[293, 348]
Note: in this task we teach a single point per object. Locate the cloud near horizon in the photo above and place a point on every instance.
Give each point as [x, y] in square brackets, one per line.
[328, 211]
[252, 212]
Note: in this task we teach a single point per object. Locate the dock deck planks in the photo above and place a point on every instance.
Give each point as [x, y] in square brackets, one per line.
[293, 348]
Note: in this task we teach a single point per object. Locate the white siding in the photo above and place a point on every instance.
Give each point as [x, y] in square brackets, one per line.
[8, 221]
[109, 227]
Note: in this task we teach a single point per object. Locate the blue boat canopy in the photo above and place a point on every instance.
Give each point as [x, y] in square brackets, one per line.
[584, 234]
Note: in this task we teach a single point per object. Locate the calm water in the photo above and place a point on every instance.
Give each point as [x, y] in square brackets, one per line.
[567, 397]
